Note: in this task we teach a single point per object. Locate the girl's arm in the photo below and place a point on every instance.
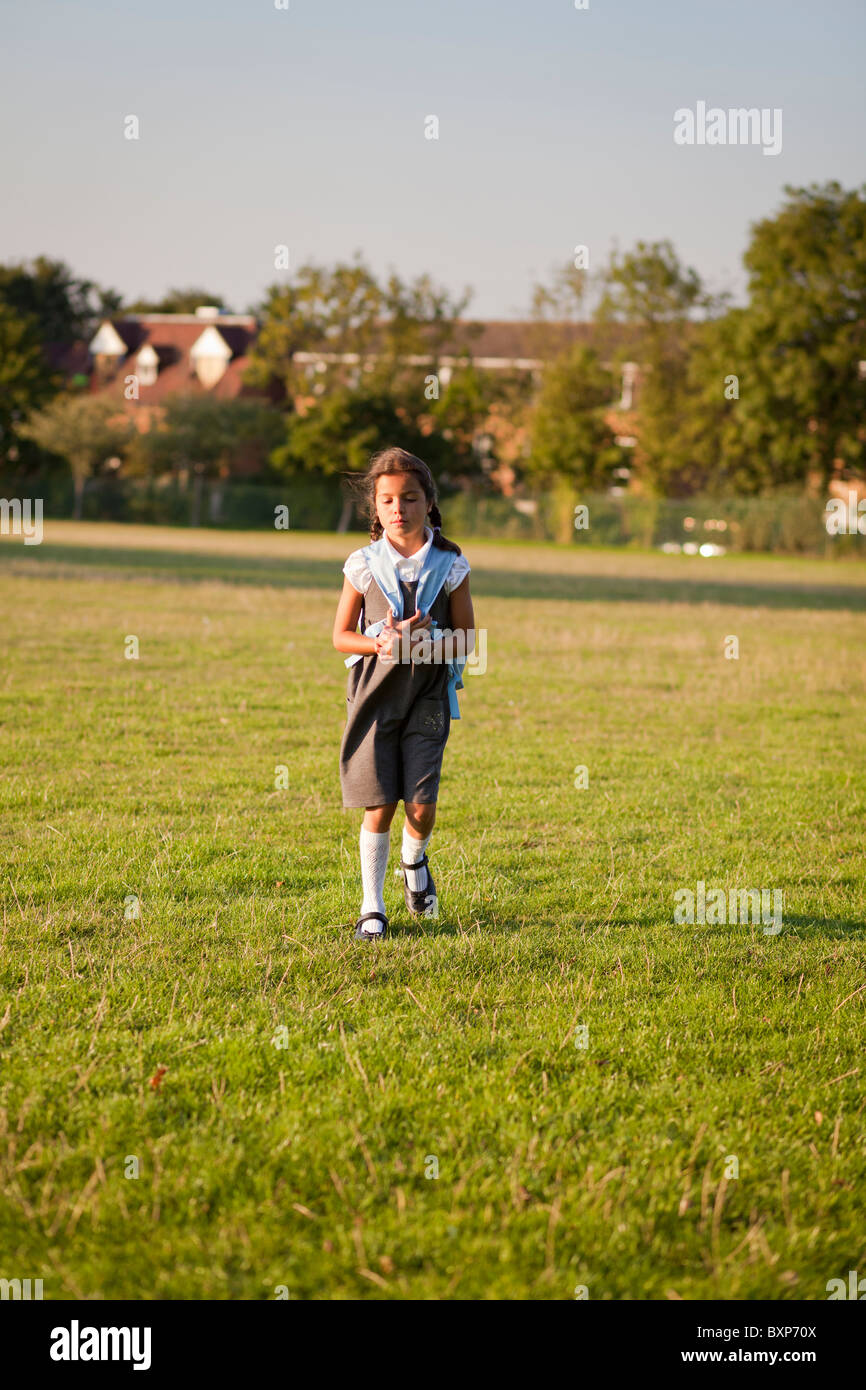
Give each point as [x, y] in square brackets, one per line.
[461, 618]
[346, 639]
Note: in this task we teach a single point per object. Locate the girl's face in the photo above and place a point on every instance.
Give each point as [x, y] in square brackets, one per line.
[401, 506]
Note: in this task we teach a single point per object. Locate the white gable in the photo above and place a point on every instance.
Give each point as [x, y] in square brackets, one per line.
[107, 342]
[147, 357]
[211, 343]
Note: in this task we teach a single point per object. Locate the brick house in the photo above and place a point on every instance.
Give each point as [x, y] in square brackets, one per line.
[142, 359]
[188, 354]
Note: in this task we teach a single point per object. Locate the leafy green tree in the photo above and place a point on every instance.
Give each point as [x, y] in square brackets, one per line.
[341, 431]
[705, 448]
[344, 310]
[209, 435]
[85, 430]
[773, 394]
[419, 320]
[569, 437]
[26, 381]
[664, 305]
[461, 411]
[649, 289]
[62, 306]
[320, 310]
[798, 345]
[556, 307]
[42, 304]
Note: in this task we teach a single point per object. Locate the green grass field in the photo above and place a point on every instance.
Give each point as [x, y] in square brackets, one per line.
[312, 1084]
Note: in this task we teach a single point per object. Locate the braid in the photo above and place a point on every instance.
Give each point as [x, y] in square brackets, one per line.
[440, 541]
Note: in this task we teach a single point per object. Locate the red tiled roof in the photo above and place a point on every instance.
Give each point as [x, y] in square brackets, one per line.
[172, 336]
[512, 339]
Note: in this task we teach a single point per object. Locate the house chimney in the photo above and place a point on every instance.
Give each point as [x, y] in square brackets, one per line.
[207, 311]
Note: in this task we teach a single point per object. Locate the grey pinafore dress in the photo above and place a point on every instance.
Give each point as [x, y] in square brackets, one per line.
[397, 716]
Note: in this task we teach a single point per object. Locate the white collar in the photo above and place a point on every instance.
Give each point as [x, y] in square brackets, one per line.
[420, 555]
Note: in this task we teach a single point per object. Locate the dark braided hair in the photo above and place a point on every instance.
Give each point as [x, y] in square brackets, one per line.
[396, 460]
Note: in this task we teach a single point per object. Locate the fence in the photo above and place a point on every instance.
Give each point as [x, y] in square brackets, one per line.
[315, 504]
[789, 524]
[784, 523]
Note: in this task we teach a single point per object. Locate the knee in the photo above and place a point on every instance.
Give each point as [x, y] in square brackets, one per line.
[421, 815]
[378, 818]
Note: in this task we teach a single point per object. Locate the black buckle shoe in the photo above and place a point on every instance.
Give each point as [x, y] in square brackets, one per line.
[421, 902]
[361, 935]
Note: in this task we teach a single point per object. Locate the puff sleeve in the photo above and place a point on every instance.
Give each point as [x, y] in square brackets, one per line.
[457, 573]
[357, 571]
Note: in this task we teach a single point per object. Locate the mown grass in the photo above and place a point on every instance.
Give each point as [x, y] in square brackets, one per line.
[312, 1085]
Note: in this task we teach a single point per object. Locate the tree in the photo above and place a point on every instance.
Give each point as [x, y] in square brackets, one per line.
[338, 435]
[461, 413]
[569, 438]
[420, 320]
[43, 306]
[556, 308]
[26, 380]
[82, 429]
[62, 306]
[798, 345]
[345, 311]
[663, 303]
[330, 311]
[345, 428]
[773, 394]
[209, 435]
[650, 289]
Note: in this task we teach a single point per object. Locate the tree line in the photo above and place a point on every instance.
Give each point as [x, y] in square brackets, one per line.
[730, 398]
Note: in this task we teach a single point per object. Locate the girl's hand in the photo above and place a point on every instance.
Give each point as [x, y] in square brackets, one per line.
[385, 639]
[392, 631]
[384, 643]
[413, 624]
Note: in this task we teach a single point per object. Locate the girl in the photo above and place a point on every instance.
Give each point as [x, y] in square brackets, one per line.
[399, 711]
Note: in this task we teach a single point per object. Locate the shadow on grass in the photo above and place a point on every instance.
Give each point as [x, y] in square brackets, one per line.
[793, 924]
[808, 925]
[306, 573]
[793, 928]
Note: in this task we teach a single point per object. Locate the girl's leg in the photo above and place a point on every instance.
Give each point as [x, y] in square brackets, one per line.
[379, 818]
[417, 833]
[375, 844]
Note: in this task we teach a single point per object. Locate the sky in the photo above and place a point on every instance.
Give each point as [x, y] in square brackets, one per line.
[305, 127]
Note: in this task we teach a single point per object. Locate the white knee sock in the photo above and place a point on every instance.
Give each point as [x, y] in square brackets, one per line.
[374, 861]
[413, 850]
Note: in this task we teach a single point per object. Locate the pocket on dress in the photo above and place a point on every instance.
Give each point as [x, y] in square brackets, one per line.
[430, 718]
